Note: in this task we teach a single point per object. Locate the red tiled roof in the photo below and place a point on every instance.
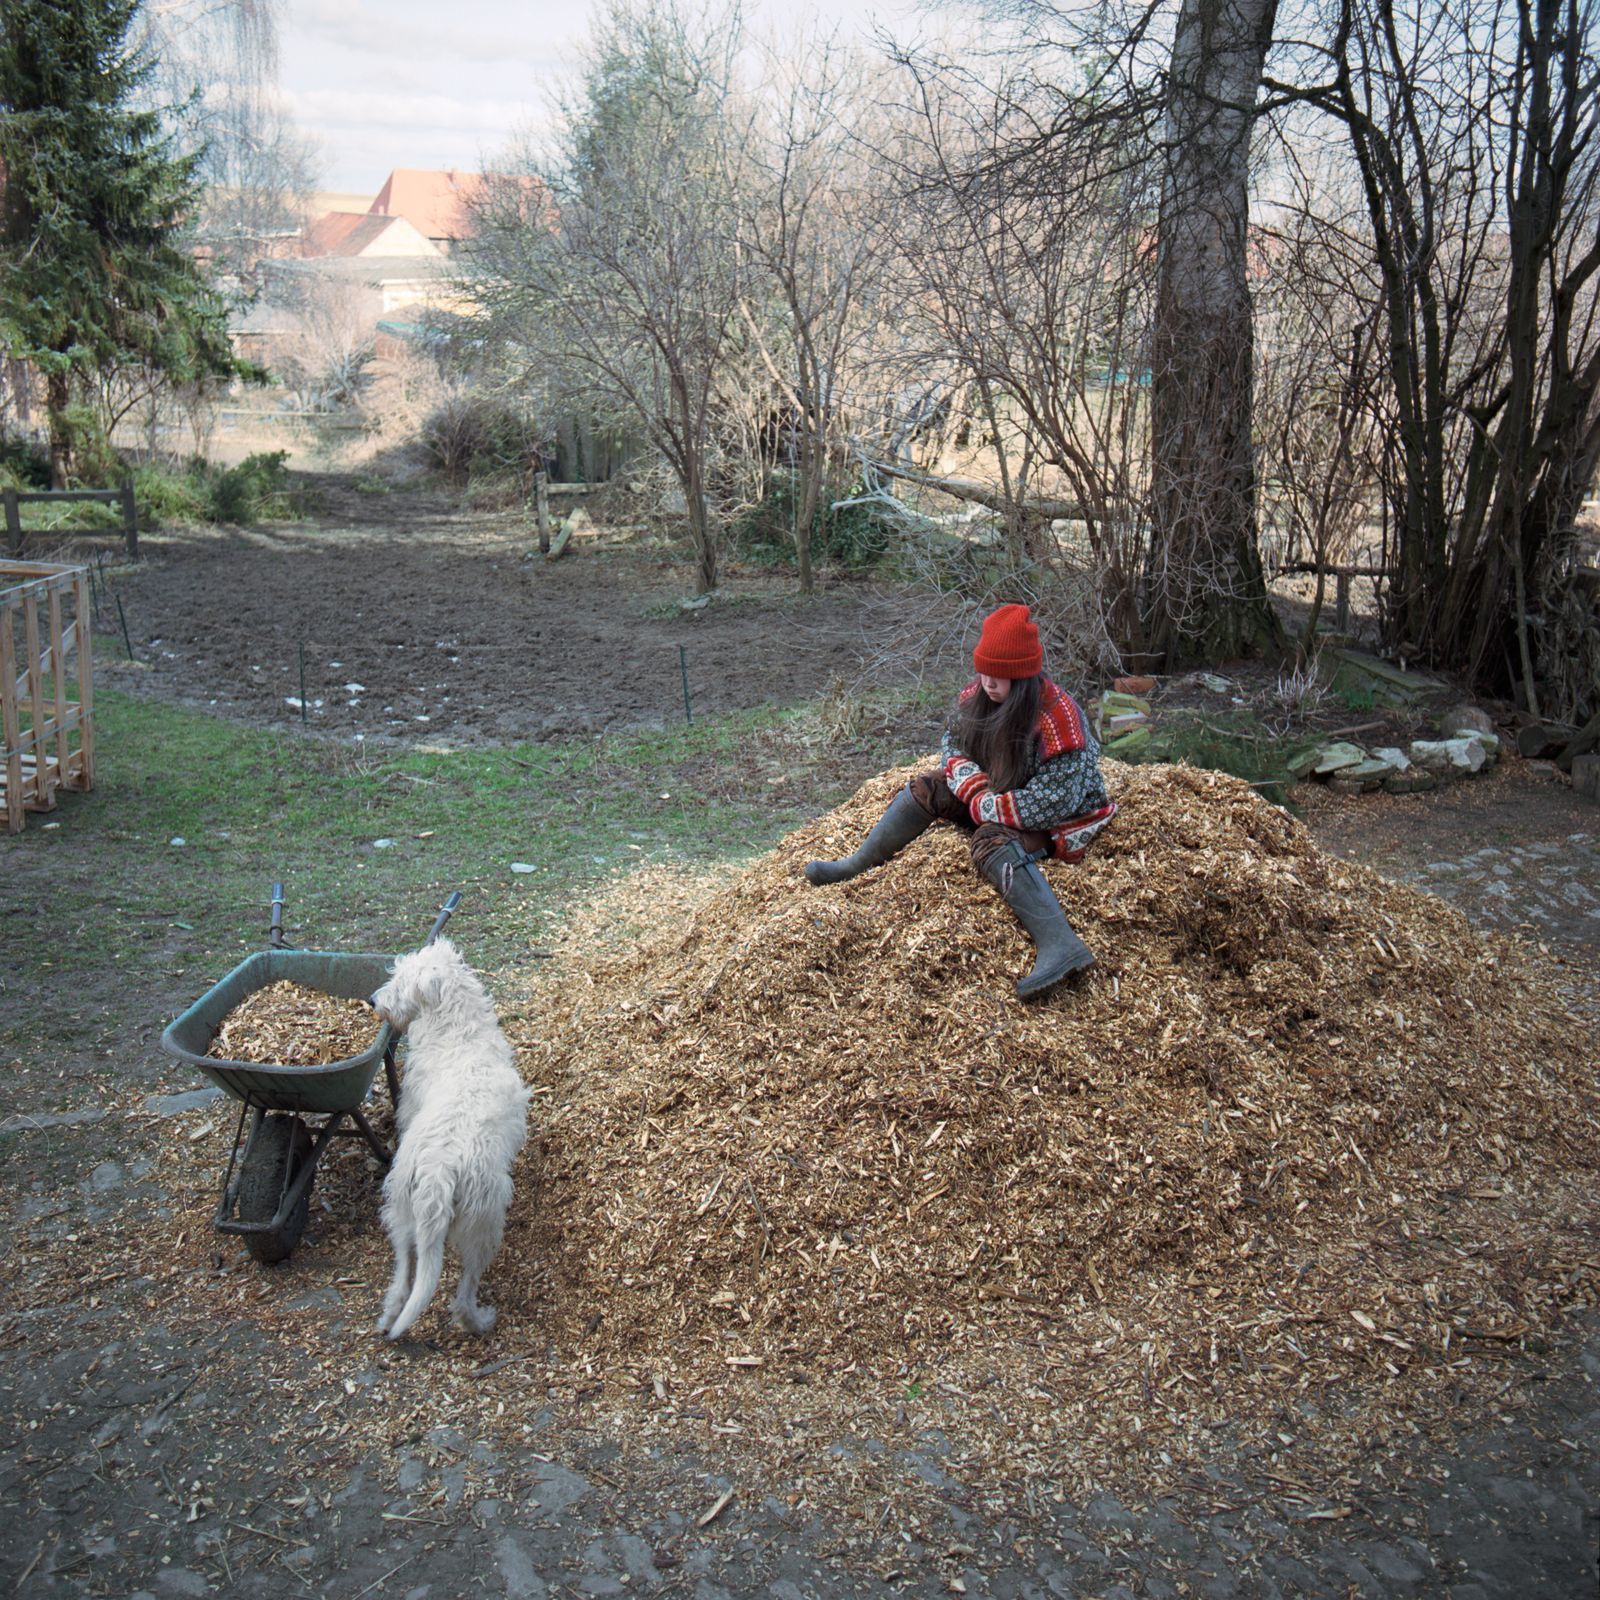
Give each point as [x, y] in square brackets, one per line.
[435, 203]
[351, 233]
[324, 236]
[439, 204]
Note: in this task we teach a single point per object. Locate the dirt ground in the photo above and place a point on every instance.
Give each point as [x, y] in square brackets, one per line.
[146, 1457]
[415, 619]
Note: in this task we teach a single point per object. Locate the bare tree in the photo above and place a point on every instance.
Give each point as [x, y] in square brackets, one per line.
[630, 280]
[1319, 390]
[1039, 315]
[325, 364]
[1207, 594]
[814, 230]
[1470, 127]
[1473, 131]
[217, 61]
[259, 183]
[1157, 100]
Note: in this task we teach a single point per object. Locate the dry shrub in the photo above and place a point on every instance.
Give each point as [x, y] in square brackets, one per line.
[467, 433]
[403, 389]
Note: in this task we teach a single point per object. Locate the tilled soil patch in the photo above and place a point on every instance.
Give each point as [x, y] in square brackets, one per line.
[446, 629]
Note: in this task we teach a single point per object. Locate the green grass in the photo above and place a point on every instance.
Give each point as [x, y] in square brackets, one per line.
[130, 915]
[1228, 741]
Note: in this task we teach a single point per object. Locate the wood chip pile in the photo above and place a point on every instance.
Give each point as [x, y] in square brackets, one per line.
[1294, 1188]
[1297, 1115]
[287, 1024]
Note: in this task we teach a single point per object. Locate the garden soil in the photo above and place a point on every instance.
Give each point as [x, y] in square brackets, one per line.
[1260, 1262]
[403, 618]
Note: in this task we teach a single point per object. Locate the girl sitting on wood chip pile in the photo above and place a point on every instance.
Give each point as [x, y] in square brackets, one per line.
[1020, 775]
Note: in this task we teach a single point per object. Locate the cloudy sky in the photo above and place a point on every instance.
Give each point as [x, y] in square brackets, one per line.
[417, 83]
[439, 83]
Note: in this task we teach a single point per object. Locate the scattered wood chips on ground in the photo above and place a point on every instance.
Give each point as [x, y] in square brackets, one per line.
[1306, 1166]
[287, 1024]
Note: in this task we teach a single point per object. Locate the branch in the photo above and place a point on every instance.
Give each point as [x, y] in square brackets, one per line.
[981, 494]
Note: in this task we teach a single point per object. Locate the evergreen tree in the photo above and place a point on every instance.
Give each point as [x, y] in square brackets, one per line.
[94, 197]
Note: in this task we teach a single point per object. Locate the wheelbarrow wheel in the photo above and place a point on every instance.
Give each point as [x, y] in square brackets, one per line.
[282, 1146]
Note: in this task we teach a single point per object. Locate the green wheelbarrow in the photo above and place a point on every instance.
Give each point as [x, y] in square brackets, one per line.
[266, 1194]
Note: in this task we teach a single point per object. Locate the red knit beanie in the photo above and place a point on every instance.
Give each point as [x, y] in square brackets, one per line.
[1008, 647]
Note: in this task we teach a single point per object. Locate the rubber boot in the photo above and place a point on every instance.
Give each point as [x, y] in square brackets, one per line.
[1059, 952]
[895, 829]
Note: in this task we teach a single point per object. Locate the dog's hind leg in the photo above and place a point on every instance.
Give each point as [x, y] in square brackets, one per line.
[477, 1241]
[397, 1222]
[399, 1287]
[430, 1222]
[429, 1248]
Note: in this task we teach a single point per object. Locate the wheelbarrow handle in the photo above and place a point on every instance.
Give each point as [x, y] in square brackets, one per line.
[275, 933]
[444, 914]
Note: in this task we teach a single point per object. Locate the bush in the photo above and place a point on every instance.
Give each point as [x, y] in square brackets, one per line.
[470, 434]
[96, 462]
[24, 464]
[257, 489]
[854, 537]
[857, 535]
[165, 498]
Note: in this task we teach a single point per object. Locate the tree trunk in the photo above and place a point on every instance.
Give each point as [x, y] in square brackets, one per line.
[813, 463]
[701, 533]
[58, 396]
[705, 564]
[1205, 591]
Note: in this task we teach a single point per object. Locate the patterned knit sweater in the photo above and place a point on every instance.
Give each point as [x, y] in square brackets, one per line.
[1063, 785]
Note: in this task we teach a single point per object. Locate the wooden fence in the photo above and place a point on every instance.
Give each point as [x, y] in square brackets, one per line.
[1342, 573]
[46, 740]
[14, 499]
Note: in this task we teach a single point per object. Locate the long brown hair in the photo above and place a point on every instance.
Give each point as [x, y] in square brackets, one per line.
[1000, 737]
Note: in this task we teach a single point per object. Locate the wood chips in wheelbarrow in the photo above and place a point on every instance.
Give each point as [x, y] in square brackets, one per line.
[287, 1024]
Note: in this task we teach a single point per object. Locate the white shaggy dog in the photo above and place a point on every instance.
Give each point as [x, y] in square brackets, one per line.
[462, 1119]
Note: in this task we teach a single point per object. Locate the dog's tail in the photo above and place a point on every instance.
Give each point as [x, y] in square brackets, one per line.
[432, 1204]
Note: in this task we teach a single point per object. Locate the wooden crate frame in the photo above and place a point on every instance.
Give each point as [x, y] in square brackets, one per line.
[38, 644]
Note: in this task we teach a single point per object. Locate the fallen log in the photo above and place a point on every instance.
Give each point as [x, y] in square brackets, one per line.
[982, 494]
[1541, 740]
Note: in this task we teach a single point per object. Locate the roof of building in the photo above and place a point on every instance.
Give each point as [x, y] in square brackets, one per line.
[355, 233]
[374, 270]
[437, 203]
[440, 203]
[336, 200]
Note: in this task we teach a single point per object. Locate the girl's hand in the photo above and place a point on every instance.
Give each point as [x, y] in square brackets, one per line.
[966, 779]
